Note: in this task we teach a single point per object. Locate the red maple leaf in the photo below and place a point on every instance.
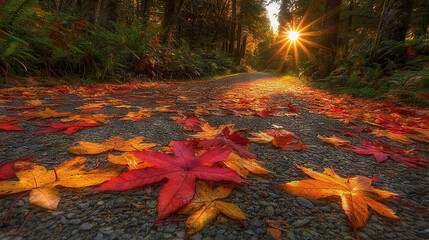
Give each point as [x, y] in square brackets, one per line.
[265, 113]
[181, 169]
[69, 128]
[382, 151]
[7, 170]
[234, 141]
[10, 127]
[191, 123]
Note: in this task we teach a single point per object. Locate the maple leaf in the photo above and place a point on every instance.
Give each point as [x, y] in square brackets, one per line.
[242, 166]
[356, 194]
[10, 127]
[281, 138]
[7, 170]
[191, 123]
[182, 169]
[402, 138]
[265, 112]
[209, 132]
[206, 205]
[114, 143]
[44, 114]
[42, 182]
[93, 118]
[234, 141]
[333, 140]
[129, 159]
[136, 116]
[382, 151]
[68, 128]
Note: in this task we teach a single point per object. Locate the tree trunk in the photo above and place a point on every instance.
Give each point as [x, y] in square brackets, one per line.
[89, 10]
[284, 14]
[233, 27]
[331, 23]
[109, 11]
[66, 5]
[145, 9]
[394, 20]
[238, 49]
[171, 16]
[243, 47]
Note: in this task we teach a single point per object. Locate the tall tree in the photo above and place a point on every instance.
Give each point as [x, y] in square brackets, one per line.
[394, 20]
[331, 23]
[233, 26]
[171, 15]
[285, 13]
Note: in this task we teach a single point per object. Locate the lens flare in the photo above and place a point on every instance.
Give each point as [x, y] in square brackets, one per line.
[293, 35]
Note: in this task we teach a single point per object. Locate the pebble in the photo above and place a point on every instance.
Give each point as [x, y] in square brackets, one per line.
[107, 231]
[269, 211]
[325, 209]
[85, 227]
[99, 236]
[264, 203]
[197, 236]
[76, 221]
[304, 202]
[302, 222]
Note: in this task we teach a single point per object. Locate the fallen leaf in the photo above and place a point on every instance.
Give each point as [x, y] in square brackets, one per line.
[333, 140]
[136, 116]
[242, 166]
[206, 205]
[68, 128]
[402, 138]
[7, 170]
[382, 151]
[129, 159]
[10, 127]
[114, 143]
[182, 169]
[42, 182]
[356, 194]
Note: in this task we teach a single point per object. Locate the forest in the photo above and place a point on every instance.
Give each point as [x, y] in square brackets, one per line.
[370, 48]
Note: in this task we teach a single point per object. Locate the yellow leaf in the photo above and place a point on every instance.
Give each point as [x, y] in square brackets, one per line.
[114, 143]
[333, 140]
[206, 205]
[356, 193]
[242, 166]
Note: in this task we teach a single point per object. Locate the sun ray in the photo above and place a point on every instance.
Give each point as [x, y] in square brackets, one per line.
[292, 37]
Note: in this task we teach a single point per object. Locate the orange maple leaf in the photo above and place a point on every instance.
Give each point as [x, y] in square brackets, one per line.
[242, 166]
[42, 182]
[114, 143]
[333, 140]
[206, 205]
[356, 194]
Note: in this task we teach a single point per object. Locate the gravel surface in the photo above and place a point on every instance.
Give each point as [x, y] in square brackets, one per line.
[84, 214]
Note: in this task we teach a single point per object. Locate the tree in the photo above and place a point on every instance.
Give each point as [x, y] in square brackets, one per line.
[394, 20]
[331, 23]
[171, 15]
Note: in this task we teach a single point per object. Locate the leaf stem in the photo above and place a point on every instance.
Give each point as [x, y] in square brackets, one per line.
[26, 219]
[408, 205]
[56, 175]
[98, 164]
[13, 204]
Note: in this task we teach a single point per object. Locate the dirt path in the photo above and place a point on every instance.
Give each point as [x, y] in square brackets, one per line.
[83, 214]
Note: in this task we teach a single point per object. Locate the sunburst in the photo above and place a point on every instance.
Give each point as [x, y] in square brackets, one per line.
[294, 37]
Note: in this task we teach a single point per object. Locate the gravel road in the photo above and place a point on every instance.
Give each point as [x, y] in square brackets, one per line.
[84, 214]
